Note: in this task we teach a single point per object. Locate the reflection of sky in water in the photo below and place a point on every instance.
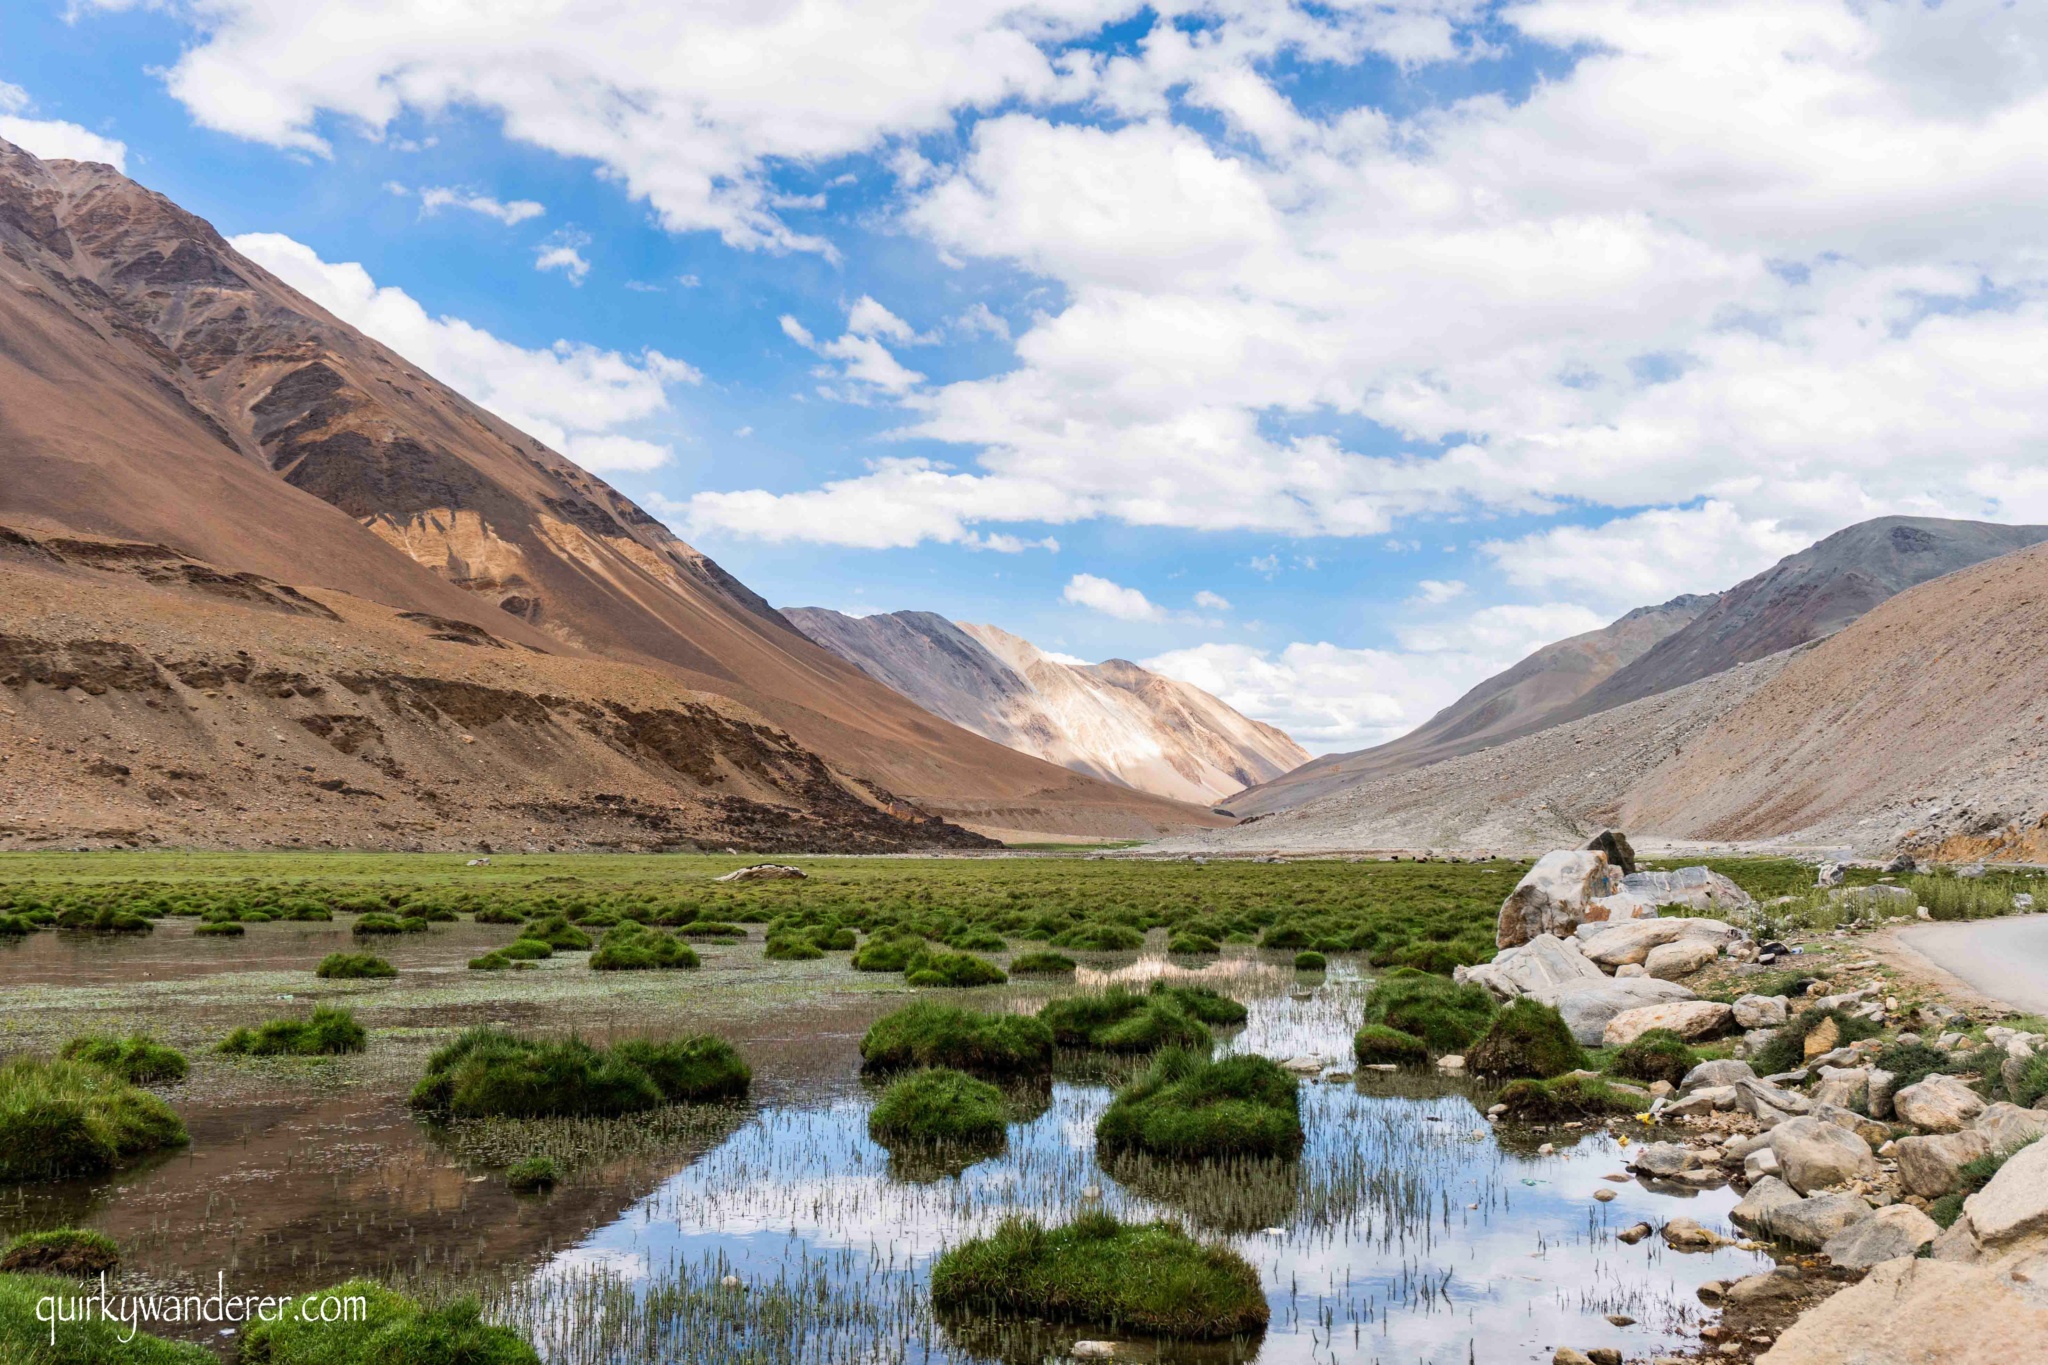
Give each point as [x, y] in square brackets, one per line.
[1411, 1234]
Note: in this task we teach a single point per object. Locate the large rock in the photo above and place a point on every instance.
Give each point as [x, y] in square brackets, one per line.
[1882, 1086]
[1611, 945]
[1545, 961]
[1816, 1219]
[1848, 1086]
[1814, 1154]
[1938, 1104]
[1675, 961]
[1696, 888]
[1664, 1159]
[1761, 1011]
[1765, 1196]
[1723, 1071]
[1931, 1166]
[1616, 846]
[764, 872]
[2010, 1127]
[1896, 1230]
[1588, 1005]
[1689, 1019]
[1768, 1103]
[1870, 1130]
[1553, 896]
[1926, 1312]
[2015, 1204]
[1493, 978]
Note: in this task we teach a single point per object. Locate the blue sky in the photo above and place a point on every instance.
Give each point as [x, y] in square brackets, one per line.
[1409, 336]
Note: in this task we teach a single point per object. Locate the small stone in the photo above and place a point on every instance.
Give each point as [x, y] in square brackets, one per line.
[1092, 1350]
[1621, 1319]
[1547, 1149]
[1604, 1196]
[1604, 1355]
[1634, 1233]
[1567, 1356]
[1685, 1234]
[1451, 1061]
[1823, 1038]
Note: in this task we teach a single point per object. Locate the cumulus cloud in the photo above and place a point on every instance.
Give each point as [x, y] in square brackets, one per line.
[1212, 601]
[564, 253]
[574, 397]
[54, 139]
[867, 369]
[1111, 599]
[1434, 592]
[1646, 558]
[896, 504]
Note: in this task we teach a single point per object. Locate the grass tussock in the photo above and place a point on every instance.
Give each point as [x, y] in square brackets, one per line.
[1658, 1055]
[928, 1034]
[138, 1059]
[327, 1032]
[630, 946]
[1120, 1020]
[96, 1341]
[1378, 1045]
[940, 1106]
[64, 1119]
[532, 1175]
[930, 968]
[394, 1330]
[1562, 1101]
[791, 948]
[488, 1072]
[1444, 1015]
[1186, 1107]
[1042, 964]
[1147, 1279]
[1786, 1050]
[75, 1253]
[1527, 1039]
[354, 967]
[557, 933]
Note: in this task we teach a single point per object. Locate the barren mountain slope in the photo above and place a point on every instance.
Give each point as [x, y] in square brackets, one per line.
[148, 698]
[1807, 596]
[1525, 796]
[1114, 720]
[1525, 698]
[157, 386]
[1920, 725]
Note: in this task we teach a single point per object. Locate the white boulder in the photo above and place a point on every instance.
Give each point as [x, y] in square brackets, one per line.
[1938, 1104]
[1553, 896]
[1675, 961]
[1588, 1005]
[1689, 1019]
[1814, 1154]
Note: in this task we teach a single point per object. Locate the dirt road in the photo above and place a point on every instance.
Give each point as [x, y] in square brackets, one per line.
[2003, 959]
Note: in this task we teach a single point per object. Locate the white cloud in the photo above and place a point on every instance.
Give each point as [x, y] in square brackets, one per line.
[54, 139]
[434, 198]
[897, 504]
[870, 319]
[981, 320]
[868, 369]
[1070, 660]
[1212, 601]
[563, 254]
[1434, 592]
[1646, 558]
[572, 396]
[1333, 699]
[1111, 599]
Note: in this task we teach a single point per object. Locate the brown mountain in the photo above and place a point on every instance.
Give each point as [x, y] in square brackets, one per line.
[156, 387]
[1113, 719]
[1534, 693]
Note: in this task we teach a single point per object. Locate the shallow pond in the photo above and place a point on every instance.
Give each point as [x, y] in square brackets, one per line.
[1410, 1230]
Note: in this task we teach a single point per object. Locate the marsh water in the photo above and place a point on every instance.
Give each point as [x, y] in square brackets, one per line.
[1409, 1230]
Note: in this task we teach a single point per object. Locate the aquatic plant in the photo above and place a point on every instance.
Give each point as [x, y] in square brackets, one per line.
[1562, 1100]
[60, 1119]
[1310, 961]
[1443, 1014]
[939, 1106]
[929, 1034]
[488, 1071]
[1119, 1020]
[556, 932]
[952, 969]
[1192, 943]
[1526, 1039]
[391, 1330]
[888, 952]
[630, 946]
[1041, 964]
[791, 948]
[218, 928]
[1148, 1279]
[76, 1253]
[1378, 1045]
[532, 1175]
[328, 1031]
[353, 966]
[138, 1059]
[1187, 1107]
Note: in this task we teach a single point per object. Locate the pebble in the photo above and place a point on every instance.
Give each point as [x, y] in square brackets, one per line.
[1092, 1350]
[1603, 1195]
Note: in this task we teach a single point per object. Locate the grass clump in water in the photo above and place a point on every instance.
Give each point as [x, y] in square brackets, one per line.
[218, 928]
[353, 967]
[1187, 1107]
[929, 1034]
[1042, 964]
[75, 1253]
[1100, 938]
[526, 950]
[138, 1059]
[1310, 961]
[1442, 1013]
[630, 946]
[533, 1175]
[391, 1330]
[1120, 1020]
[1378, 1045]
[1658, 1055]
[940, 1106]
[61, 1119]
[791, 948]
[1147, 1279]
[1562, 1101]
[327, 1032]
[557, 933]
[887, 953]
[1527, 1039]
[952, 969]
[488, 1072]
[93, 1340]
[1193, 943]
[1786, 1051]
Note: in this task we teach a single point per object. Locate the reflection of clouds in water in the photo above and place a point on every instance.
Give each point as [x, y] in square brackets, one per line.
[1381, 1238]
[1150, 967]
[617, 1261]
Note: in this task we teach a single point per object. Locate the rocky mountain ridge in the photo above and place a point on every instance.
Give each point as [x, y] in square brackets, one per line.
[1113, 720]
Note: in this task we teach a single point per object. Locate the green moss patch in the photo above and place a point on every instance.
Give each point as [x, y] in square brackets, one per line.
[138, 1059]
[630, 946]
[93, 1341]
[939, 1106]
[488, 1072]
[1562, 1101]
[532, 1175]
[392, 1330]
[1145, 1279]
[1042, 964]
[75, 1253]
[1658, 1055]
[930, 968]
[1378, 1045]
[1527, 1039]
[1443, 1014]
[928, 1034]
[327, 1032]
[353, 967]
[63, 1119]
[1187, 1107]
